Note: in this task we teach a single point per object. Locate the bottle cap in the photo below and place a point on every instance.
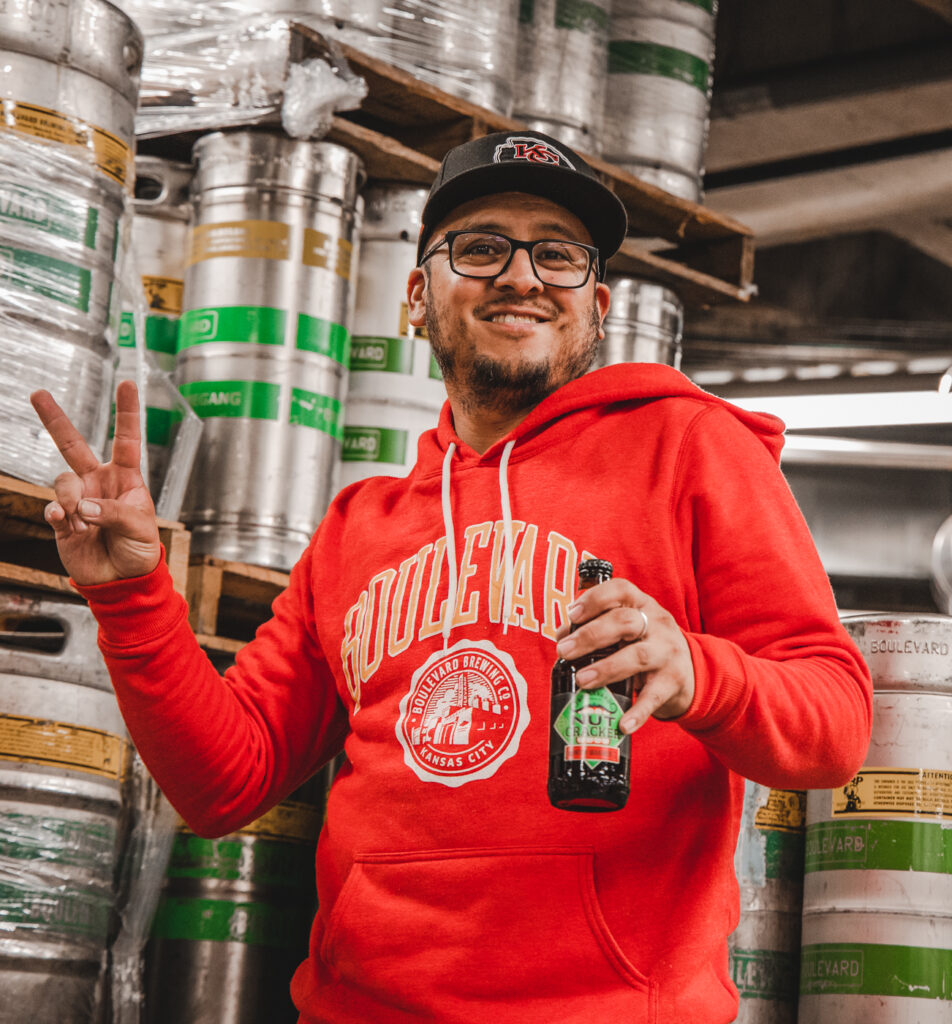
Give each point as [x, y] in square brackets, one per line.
[595, 568]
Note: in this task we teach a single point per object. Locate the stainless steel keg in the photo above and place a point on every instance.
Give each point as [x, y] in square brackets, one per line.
[69, 86]
[159, 231]
[395, 390]
[468, 50]
[233, 919]
[644, 324]
[765, 946]
[63, 757]
[877, 897]
[561, 69]
[657, 101]
[264, 337]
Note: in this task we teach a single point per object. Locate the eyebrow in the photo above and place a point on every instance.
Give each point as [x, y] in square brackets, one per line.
[496, 228]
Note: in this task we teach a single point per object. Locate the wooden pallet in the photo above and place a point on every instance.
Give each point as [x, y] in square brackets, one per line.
[28, 556]
[228, 601]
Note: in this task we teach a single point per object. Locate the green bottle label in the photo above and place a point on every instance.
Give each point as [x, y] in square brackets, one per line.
[588, 726]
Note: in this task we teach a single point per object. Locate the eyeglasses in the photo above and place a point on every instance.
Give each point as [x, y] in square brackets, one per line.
[480, 254]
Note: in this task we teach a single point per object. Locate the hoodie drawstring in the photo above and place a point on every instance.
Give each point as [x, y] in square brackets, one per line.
[450, 535]
[453, 582]
[509, 579]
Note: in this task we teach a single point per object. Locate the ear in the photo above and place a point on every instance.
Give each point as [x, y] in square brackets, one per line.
[416, 297]
[603, 298]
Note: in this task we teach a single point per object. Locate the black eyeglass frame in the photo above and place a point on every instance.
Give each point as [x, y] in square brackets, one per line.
[515, 244]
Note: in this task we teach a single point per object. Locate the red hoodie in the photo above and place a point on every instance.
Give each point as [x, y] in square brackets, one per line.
[450, 890]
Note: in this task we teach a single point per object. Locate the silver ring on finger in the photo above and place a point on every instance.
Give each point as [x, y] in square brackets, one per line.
[644, 627]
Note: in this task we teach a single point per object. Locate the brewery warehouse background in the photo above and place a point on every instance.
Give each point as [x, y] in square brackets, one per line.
[221, 200]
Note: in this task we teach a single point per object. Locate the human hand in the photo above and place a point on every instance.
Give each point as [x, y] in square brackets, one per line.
[652, 649]
[103, 517]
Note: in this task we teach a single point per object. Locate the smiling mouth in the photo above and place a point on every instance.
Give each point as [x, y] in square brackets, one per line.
[515, 318]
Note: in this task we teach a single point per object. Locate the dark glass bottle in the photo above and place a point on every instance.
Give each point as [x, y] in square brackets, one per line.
[589, 758]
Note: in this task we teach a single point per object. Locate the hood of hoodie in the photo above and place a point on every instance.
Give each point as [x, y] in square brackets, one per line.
[611, 385]
[440, 451]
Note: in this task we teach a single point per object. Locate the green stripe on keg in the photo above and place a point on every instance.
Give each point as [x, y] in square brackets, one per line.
[374, 444]
[58, 909]
[256, 325]
[879, 846]
[435, 372]
[830, 968]
[269, 862]
[580, 16]
[49, 213]
[44, 275]
[320, 412]
[158, 426]
[783, 855]
[161, 333]
[526, 11]
[324, 337]
[83, 844]
[765, 974]
[633, 58]
[384, 355]
[247, 399]
[250, 923]
[705, 5]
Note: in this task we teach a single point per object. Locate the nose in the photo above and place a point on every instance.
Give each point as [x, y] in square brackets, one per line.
[519, 275]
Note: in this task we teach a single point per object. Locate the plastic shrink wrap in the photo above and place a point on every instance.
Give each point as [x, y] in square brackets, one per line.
[237, 62]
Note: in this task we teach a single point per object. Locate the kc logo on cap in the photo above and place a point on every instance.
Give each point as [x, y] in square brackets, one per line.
[525, 147]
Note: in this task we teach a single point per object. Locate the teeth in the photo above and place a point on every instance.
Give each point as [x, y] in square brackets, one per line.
[512, 318]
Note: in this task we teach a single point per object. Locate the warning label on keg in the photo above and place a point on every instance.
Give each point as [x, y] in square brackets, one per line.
[895, 793]
[784, 811]
[246, 239]
[111, 155]
[321, 250]
[163, 294]
[61, 745]
[291, 820]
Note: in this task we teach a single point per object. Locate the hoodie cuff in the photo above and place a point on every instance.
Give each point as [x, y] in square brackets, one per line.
[720, 684]
[135, 610]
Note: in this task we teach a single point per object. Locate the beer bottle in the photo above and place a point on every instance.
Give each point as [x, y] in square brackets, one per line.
[589, 757]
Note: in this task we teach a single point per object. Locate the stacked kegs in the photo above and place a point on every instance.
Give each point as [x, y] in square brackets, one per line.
[69, 82]
[765, 946]
[63, 757]
[644, 323]
[877, 897]
[264, 338]
[658, 95]
[159, 239]
[395, 390]
[561, 69]
[233, 919]
[467, 49]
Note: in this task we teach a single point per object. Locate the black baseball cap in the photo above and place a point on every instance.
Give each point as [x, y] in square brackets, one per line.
[526, 161]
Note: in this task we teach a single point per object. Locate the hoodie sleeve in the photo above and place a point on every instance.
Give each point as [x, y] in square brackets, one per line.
[223, 749]
[782, 696]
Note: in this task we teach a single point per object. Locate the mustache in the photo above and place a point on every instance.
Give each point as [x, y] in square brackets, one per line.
[499, 305]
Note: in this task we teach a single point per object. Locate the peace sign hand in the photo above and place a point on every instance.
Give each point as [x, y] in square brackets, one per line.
[103, 517]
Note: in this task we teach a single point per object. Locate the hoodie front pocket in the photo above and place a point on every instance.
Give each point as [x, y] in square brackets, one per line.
[443, 932]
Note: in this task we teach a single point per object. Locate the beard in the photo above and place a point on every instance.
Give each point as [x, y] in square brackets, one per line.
[480, 381]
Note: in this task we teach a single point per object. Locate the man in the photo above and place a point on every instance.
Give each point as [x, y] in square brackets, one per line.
[420, 626]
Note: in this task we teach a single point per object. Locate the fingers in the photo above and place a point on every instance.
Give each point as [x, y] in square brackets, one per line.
[127, 441]
[67, 438]
[132, 522]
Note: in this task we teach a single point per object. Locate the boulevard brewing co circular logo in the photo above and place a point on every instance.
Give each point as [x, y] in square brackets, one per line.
[464, 714]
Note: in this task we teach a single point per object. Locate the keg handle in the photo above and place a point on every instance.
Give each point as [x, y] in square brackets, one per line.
[77, 628]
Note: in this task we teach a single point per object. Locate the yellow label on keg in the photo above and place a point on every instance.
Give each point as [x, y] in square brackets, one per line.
[784, 811]
[895, 793]
[163, 294]
[248, 239]
[320, 250]
[113, 157]
[289, 820]
[61, 745]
